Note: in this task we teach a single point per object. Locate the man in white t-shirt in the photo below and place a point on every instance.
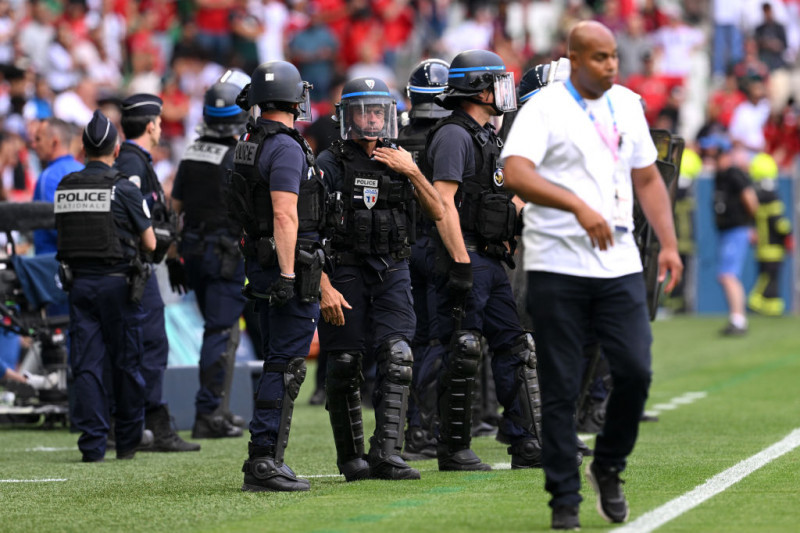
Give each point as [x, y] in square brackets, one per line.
[576, 152]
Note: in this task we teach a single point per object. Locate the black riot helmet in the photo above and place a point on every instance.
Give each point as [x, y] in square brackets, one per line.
[367, 110]
[277, 85]
[540, 75]
[222, 116]
[428, 79]
[473, 71]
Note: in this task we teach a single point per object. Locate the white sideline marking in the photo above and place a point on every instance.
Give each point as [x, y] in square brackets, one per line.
[722, 481]
[31, 480]
[674, 403]
[46, 449]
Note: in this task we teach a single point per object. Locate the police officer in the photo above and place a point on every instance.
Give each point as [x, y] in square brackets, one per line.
[367, 297]
[102, 225]
[474, 293]
[277, 196]
[214, 268]
[428, 79]
[141, 124]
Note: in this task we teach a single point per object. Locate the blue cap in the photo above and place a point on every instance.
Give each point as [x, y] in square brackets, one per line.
[142, 105]
[99, 133]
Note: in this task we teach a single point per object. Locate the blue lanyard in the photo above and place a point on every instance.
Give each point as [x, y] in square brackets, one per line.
[613, 144]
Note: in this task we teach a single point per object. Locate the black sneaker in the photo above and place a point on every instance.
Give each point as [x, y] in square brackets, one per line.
[263, 474]
[462, 460]
[419, 445]
[611, 502]
[565, 517]
[214, 426]
[355, 469]
[392, 468]
[733, 331]
[526, 454]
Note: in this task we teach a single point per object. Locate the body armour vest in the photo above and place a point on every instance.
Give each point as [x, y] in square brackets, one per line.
[204, 169]
[249, 198]
[87, 228]
[412, 138]
[378, 211]
[484, 204]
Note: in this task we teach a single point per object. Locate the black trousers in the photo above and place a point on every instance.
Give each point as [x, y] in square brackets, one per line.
[566, 310]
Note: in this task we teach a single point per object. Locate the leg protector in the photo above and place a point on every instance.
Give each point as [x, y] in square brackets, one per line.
[230, 361]
[292, 379]
[343, 401]
[456, 391]
[394, 359]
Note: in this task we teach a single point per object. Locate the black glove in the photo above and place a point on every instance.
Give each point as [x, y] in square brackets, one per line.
[177, 276]
[459, 281]
[281, 291]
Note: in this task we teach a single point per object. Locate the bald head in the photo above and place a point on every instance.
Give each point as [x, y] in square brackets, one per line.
[593, 58]
[587, 35]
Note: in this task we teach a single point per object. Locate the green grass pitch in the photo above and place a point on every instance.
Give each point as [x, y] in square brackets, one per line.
[752, 400]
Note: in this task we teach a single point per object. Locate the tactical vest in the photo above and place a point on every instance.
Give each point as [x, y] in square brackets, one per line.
[484, 204]
[412, 137]
[772, 227]
[164, 219]
[378, 214]
[249, 198]
[87, 228]
[204, 169]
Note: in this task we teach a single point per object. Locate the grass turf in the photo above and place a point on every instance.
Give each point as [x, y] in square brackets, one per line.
[752, 401]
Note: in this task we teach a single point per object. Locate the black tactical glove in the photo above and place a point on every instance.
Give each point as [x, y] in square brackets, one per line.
[459, 281]
[177, 276]
[281, 291]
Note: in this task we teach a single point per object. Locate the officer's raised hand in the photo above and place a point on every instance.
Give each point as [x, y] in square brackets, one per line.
[332, 303]
[398, 159]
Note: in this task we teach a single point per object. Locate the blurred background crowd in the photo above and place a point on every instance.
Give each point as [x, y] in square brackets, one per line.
[705, 68]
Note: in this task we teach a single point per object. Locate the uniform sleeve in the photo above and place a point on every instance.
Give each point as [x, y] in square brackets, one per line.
[644, 150]
[177, 184]
[283, 164]
[449, 154]
[331, 172]
[529, 135]
[129, 195]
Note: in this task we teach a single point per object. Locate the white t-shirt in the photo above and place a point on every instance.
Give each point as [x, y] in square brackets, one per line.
[554, 132]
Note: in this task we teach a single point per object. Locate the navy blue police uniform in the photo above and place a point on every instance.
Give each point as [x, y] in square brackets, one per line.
[100, 217]
[215, 272]
[137, 163]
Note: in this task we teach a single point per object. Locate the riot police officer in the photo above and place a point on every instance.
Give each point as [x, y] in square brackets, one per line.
[428, 79]
[277, 196]
[367, 297]
[474, 293]
[141, 124]
[102, 225]
[214, 268]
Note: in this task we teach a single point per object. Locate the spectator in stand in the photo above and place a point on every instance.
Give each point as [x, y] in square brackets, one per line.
[770, 38]
[654, 18]
[782, 134]
[61, 72]
[246, 28]
[75, 16]
[274, 17]
[728, 49]
[675, 43]
[726, 99]
[632, 43]
[213, 27]
[313, 50]
[610, 16]
[35, 35]
[7, 33]
[749, 119]
[473, 33]
[652, 87]
[77, 104]
[669, 116]
[750, 66]
[398, 22]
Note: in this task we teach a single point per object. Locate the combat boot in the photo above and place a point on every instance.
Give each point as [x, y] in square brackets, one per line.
[264, 473]
[420, 445]
[164, 437]
[214, 426]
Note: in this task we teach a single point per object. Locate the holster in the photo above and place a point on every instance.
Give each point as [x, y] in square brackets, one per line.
[308, 265]
[65, 275]
[229, 257]
[140, 273]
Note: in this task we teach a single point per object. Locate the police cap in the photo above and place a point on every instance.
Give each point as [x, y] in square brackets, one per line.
[99, 134]
[142, 105]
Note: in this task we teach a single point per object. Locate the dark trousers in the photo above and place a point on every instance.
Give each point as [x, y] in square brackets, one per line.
[156, 345]
[381, 309]
[492, 311]
[286, 333]
[221, 303]
[105, 332]
[565, 309]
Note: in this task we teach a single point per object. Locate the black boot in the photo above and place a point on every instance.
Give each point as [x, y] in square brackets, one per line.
[343, 402]
[264, 473]
[164, 437]
[214, 426]
[420, 445]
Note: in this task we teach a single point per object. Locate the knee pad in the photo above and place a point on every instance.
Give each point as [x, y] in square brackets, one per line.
[395, 360]
[294, 376]
[465, 356]
[344, 370]
[523, 348]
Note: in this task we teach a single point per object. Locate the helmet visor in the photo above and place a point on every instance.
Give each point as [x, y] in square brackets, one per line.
[368, 118]
[505, 94]
[305, 105]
